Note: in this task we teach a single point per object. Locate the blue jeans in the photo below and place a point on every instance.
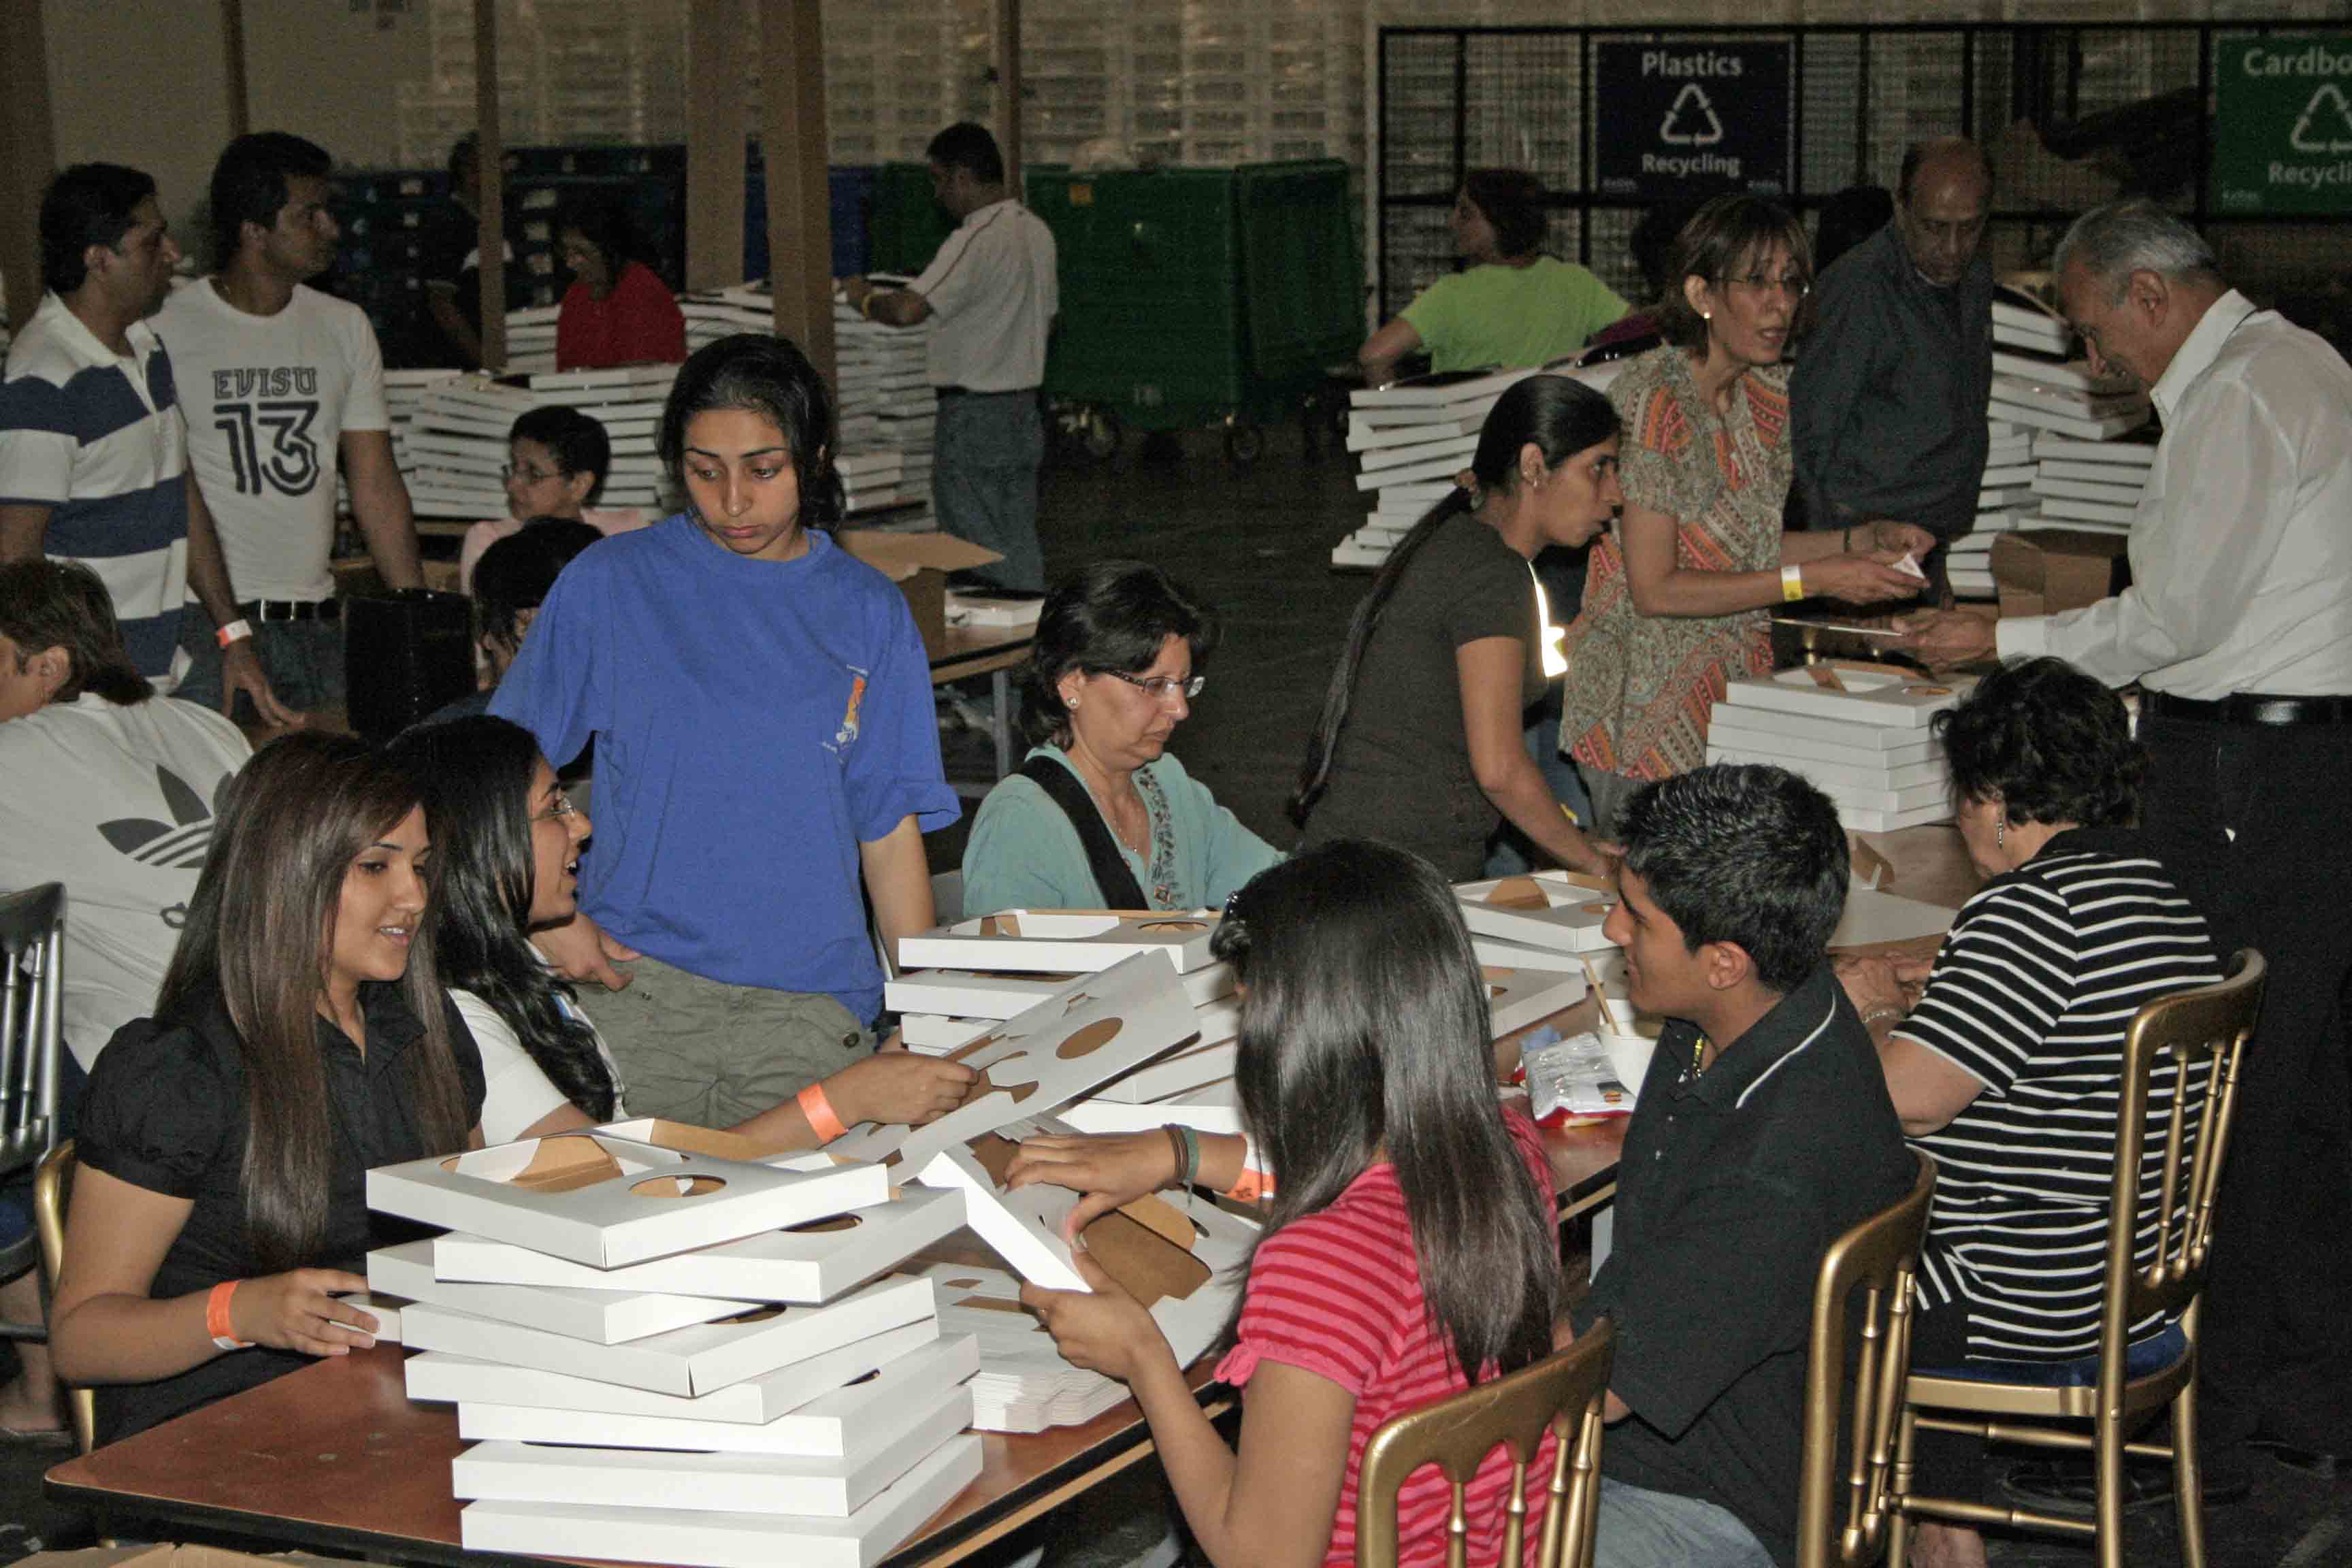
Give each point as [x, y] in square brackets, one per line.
[1642, 1528]
[985, 478]
[304, 661]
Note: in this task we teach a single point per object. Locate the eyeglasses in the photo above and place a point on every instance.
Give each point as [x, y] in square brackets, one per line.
[560, 810]
[1160, 688]
[1790, 283]
[529, 475]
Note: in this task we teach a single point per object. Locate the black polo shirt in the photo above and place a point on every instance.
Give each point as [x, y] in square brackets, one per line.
[1733, 1183]
[166, 1111]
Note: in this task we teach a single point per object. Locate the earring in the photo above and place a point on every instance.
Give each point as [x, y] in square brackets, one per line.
[1707, 315]
[2000, 832]
[1071, 703]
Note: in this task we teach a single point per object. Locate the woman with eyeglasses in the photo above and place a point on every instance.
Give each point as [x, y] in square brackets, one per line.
[507, 840]
[1100, 816]
[1676, 601]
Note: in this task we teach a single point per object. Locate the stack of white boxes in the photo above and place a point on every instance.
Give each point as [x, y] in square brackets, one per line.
[530, 340]
[2047, 409]
[1413, 437]
[453, 445]
[668, 1351]
[1859, 732]
[886, 410]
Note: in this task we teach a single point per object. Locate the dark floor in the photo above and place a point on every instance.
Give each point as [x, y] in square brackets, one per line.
[1256, 544]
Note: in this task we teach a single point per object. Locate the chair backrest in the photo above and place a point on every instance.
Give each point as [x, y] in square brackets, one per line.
[52, 1193]
[1842, 1518]
[32, 1022]
[2169, 1040]
[1565, 1391]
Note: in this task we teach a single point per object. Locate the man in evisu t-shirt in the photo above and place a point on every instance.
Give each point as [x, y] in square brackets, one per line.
[279, 381]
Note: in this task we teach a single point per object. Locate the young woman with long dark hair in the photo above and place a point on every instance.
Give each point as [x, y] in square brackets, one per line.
[507, 841]
[1419, 744]
[1408, 1247]
[299, 1038]
[767, 753]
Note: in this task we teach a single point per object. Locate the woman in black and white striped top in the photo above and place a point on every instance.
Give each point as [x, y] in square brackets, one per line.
[2010, 1067]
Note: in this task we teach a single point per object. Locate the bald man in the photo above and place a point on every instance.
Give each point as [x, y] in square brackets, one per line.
[1888, 398]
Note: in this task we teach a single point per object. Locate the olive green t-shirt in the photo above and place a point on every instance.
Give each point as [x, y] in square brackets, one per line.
[1513, 317]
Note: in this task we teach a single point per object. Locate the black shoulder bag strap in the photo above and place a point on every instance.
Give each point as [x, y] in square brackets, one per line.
[1113, 879]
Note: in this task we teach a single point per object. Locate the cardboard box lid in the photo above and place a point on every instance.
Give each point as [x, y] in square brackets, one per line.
[1091, 1031]
[900, 556]
[2066, 567]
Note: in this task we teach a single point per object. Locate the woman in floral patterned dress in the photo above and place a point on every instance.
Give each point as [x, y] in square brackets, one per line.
[1676, 601]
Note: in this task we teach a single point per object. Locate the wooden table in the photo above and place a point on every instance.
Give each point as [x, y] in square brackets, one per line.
[994, 651]
[335, 1458]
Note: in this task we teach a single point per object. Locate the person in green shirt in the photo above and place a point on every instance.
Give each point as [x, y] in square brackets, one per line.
[1117, 661]
[1512, 306]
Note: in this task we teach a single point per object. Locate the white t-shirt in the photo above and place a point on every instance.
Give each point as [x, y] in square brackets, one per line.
[117, 803]
[268, 399]
[993, 292]
[515, 1092]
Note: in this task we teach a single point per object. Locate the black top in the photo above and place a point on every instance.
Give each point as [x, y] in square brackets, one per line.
[1400, 771]
[166, 1111]
[1887, 400]
[1731, 1186]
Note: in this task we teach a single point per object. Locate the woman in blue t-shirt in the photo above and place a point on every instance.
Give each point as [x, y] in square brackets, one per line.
[767, 757]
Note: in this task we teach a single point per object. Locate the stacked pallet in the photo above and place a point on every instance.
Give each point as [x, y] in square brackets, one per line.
[1859, 732]
[713, 1382]
[452, 448]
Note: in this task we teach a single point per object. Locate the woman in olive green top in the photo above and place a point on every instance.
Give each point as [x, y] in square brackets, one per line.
[1117, 662]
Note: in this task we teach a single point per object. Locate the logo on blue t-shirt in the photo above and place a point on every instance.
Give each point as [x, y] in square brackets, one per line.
[847, 734]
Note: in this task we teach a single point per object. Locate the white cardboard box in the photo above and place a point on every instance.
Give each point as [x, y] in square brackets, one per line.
[1212, 1108]
[1549, 909]
[1061, 941]
[1778, 725]
[1753, 730]
[814, 1262]
[1023, 1225]
[688, 1360]
[1100, 1026]
[1862, 693]
[437, 1376]
[936, 1034]
[730, 1540]
[850, 1427]
[605, 1199]
[604, 1317]
[1173, 1074]
[970, 993]
[1519, 998]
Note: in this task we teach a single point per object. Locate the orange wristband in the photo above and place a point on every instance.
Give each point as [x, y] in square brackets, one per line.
[1253, 1187]
[819, 1112]
[216, 1319]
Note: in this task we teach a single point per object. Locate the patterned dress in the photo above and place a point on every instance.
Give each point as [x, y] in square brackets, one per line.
[1639, 688]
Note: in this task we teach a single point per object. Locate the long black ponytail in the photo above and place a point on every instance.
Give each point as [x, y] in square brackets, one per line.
[1561, 417]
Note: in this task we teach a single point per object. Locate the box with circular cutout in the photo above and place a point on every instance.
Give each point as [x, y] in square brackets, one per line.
[1061, 941]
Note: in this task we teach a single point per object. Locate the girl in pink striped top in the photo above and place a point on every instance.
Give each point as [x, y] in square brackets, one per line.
[1409, 1243]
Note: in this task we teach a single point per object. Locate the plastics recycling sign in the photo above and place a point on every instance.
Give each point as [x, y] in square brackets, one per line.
[1687, 121]
[2282, 124]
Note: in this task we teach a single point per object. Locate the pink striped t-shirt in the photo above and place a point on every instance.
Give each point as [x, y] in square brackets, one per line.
[1338, 1294]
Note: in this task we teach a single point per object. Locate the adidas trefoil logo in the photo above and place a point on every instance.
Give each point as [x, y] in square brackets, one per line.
[178, 844]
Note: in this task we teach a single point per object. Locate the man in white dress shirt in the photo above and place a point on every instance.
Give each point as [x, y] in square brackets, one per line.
[991, 294]
[2238, 626]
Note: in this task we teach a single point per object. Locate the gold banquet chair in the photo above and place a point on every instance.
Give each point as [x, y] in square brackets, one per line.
[1564, 1391]
[2123, 1384]
[1844, 1520]
[52, 1192]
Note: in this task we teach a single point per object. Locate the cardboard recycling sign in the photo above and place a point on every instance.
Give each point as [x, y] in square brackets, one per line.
[2282, 124]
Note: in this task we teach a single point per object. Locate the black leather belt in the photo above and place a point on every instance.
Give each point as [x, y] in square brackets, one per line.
[2250, 707]
[291, 609]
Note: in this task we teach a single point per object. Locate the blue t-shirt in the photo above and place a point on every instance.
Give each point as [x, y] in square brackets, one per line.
[755, 722]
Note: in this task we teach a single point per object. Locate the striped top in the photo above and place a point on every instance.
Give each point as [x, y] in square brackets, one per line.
[97, 438]
[1337, 1293]
[2032, 994]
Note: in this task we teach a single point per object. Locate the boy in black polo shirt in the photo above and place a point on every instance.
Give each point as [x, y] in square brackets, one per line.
[1762, 1132]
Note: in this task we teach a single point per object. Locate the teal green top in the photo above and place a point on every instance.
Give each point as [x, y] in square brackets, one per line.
[1516, 317]
[1025, 855]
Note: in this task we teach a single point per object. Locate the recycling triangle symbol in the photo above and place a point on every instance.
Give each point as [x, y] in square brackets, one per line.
[1691, 122]
[2312, 136]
